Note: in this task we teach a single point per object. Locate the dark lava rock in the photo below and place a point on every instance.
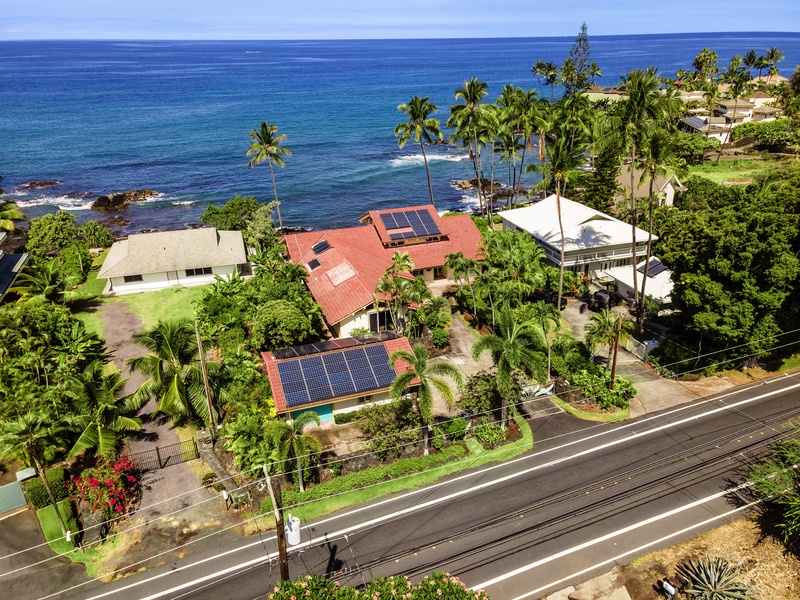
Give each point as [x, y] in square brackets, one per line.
[121, 200]
[79, 195]
[32, 185]
[115, 221]
[285, 230]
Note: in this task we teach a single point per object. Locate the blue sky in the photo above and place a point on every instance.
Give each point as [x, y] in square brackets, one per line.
[333, 19]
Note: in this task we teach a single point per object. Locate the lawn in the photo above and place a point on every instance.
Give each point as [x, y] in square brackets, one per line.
[52, 533]
[733, 171]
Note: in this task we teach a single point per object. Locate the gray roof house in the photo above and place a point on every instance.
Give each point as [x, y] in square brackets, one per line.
[153, 261]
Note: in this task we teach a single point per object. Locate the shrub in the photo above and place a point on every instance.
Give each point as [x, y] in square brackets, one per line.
[110, 486]
[456, 429]
[348, 417]
[441, 337]
[96, 234]
[438, 438]
[714, 578]
[36, 493]
[480, 395]
[489, 434]
[390, 426]
[360, 331]
[595, 388]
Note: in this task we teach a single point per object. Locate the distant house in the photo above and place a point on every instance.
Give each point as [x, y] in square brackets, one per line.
[10, 267]
[663, 187]
[659, 280]
[593, 241]
[153, 261]
[334, 377]
[728, 113]
[345, 265]
[709, 127]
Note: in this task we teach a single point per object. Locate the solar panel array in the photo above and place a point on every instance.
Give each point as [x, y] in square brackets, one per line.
[317, 378]
[420, 221]
[656, 267]
[320, 246]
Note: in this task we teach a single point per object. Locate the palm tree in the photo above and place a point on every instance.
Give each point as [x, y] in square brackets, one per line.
[290, 443]
[428, 377]
[173, 368]
[99, 414]
[539, 70]
[772, 57]
[266, 146]
[750, 62]
[646, 106]
[463, 269]
[544, 122]
[514, 349]
[9, 212]
[464, 118]
[562, 166]
[544, 315]
[28, 439]
[393, 286]
[47, 281]
[420, 126]
[658, 159]
[551, 77]
[606, 328]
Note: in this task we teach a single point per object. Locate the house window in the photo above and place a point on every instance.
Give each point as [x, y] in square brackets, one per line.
[198, 271]
[417, 272]
[378, 321]
[364, 399]
[132, 278]
[439, 273]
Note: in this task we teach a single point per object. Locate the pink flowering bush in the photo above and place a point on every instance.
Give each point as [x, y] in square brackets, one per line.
[436, 586]
[110, 486]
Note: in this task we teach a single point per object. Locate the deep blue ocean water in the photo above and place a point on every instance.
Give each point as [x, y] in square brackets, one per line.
[103, 117]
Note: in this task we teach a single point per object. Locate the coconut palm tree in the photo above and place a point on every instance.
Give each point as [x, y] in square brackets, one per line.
[658, 160]
[463, 269]
[514, 349]
[393, 286]
[607, 328]
[465, 119]
[544, 316]
[9, 212]
[420, 126]
[562, 166]
[544, 123]
[173, 368]
[99, 414]
[772, 57]
[750, 61]
[46, 281]
[29, 439]
[291, 444]
[429, 377]
[646, 106]
[266, 146]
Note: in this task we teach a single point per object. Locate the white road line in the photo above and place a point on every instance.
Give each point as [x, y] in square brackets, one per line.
[636, 550]
[608, 536]
[383, 518]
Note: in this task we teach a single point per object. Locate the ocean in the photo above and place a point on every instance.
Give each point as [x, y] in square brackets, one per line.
[106, 116]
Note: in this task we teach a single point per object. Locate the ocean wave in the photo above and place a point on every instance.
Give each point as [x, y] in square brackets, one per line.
[470, 200]
[416, 159]
[62, 202]
[183, 202]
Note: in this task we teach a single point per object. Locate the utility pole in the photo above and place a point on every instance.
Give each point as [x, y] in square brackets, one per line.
[277, 509]
[212, 420]
[616, 348]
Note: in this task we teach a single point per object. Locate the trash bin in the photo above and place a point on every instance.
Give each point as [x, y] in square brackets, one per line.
[293, 530]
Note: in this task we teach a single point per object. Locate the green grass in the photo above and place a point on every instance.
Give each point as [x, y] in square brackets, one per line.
[732, 171]
[619, 415]
[52, 528]
[325, 506]
[165, 305]
[94, 286]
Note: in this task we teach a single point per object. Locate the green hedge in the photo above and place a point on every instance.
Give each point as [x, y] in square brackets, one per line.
[52, 528]
[353, 481]
[36, 493]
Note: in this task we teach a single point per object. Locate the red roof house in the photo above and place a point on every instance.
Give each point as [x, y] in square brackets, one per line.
[345, 264]
[336, 376]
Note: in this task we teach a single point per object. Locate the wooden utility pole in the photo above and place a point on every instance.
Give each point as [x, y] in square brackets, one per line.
[212, 420]
[277, 509]
[616, 348]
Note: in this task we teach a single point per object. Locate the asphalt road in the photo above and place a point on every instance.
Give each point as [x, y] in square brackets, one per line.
[579, 503]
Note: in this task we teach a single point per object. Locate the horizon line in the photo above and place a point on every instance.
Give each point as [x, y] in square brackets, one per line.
[380, 39]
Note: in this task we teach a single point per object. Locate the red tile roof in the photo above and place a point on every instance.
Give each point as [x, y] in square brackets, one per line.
[373, 218]
[349, 270]
[271, 369]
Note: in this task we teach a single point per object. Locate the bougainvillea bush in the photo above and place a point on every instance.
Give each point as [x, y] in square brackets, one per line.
[110, 486]
[438, 586]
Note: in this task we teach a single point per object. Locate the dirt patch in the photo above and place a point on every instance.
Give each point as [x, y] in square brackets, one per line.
[764, 562]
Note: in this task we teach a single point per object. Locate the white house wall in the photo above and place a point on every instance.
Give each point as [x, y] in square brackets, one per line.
[159, 281]
[346, 406]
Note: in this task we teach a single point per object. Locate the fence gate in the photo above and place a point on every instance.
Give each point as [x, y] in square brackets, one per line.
[164, 456]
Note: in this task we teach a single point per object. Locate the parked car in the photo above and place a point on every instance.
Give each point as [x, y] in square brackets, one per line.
[549, 297]
[604, 299]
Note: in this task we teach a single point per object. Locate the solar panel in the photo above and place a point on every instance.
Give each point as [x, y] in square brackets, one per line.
[388, 221]
[355, 370]
[320, 246]
[396, 236]
[656, 267]
[314, 264]
[401, 218]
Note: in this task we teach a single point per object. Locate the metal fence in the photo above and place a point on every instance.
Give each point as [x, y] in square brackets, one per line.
[164, 456]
